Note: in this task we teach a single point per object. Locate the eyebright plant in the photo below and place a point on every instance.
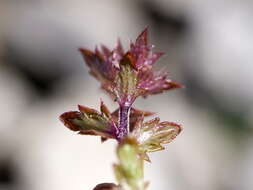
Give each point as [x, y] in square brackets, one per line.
[125, 76]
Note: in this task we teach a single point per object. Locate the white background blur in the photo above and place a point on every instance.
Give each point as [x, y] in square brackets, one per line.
[209, 49]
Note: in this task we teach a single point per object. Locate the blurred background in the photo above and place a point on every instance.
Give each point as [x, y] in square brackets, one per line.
[209, 49]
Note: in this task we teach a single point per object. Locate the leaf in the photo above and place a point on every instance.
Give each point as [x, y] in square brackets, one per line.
[155, 82]
[142, 52]
[151, 135]
[101, 71]
[90, 122]
[129, 170]
[104, 63]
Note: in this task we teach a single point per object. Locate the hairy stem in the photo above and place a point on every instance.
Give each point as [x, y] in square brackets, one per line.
[124, 111]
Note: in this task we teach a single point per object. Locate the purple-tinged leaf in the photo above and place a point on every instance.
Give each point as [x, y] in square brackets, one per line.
[90, 122]
[68, 119]
[142, 52]
[153, 83]
[106, 51]
[151, 135]
[100, 67]
[142, 39]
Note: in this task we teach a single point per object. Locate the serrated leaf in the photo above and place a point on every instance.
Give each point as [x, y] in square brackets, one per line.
[142, 52]
[100, 66]
[151, 135]
[155, 82]
[91, 122]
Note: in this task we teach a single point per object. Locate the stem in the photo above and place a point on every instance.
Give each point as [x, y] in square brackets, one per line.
[124, 111]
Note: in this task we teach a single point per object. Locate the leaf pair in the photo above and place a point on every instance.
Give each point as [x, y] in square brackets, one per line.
[105, 124]
[150, 135]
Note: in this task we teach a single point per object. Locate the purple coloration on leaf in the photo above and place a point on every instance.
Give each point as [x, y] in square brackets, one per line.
[152, 134]
[127, 75]
[142, 52]
[90, 122]
[155, 82]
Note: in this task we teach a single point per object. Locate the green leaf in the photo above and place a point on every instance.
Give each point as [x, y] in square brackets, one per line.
[152, 134]
[90, 122]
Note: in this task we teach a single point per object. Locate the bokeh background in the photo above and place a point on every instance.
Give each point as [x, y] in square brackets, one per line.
[209, 49]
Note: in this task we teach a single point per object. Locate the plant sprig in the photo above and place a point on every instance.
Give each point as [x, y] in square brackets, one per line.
[125, 76]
